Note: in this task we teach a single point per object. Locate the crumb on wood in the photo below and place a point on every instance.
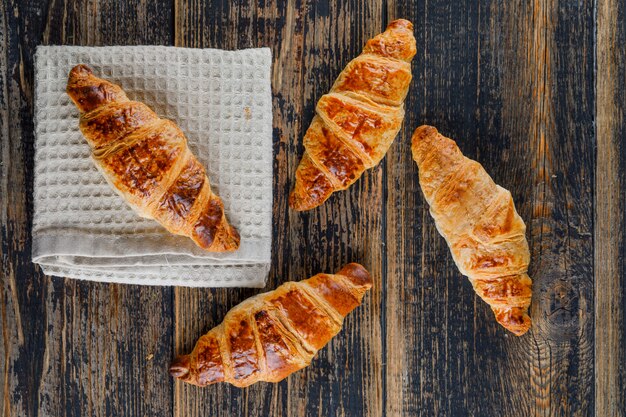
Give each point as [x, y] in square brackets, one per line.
[149, 357]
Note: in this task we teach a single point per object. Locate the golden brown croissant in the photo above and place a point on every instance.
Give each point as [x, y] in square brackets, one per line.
[146, 159]
[271, 335]
[358, 120]
[479, 221]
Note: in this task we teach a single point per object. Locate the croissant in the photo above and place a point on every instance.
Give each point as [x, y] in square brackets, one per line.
[147, 161]
[271, 335]
[478, 219]
[358, 120]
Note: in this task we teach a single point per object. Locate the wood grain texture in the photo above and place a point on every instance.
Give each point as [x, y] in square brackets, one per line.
[431, 370]
[610, 209]
[70, 347]
[513, 82]
[309, 47]
[547, 100]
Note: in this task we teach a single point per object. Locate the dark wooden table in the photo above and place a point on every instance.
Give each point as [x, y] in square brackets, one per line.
[533, 90]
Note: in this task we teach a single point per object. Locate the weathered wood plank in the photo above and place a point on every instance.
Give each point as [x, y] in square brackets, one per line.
[311, 42]
[23, 287]
[72, 348]
[430, 343]
[512, 82]
[610, 208]
[553, 132]
[233, 26]
[350, 226]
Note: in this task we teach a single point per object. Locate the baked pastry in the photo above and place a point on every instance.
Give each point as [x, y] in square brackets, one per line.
[479, 221]
[271, 335]
[358, 120]
[147, 161]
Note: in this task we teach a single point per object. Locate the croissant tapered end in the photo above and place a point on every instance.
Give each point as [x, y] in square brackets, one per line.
[212, 231]
[179, 368]
[436, 156]
[203, 366]
[312, 186]
[516, 319]
[422, 133]
[89, 92]
[423, 140]
[80, 71]
[509, 298]
[226, 239]
[397, 41]
[358, 276]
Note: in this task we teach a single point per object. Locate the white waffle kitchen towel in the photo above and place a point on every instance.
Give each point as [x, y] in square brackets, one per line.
[221, 100]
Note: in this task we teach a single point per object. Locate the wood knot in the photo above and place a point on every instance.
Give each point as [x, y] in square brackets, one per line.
[556, 309]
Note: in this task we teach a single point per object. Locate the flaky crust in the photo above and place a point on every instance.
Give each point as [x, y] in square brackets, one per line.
[478, 219]
[271, 335]
[147, 161]
[358, 120]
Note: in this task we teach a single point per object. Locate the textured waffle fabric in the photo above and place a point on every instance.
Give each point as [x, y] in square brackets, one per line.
[222, 101]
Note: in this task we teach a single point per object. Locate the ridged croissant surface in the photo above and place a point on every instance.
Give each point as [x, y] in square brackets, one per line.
[358, 120]
[146, 159]
[479, 221]
[271, 335]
